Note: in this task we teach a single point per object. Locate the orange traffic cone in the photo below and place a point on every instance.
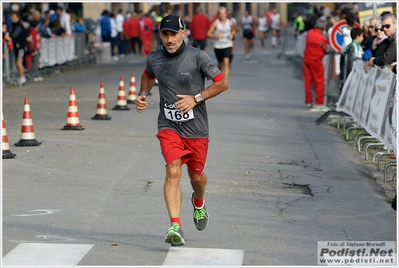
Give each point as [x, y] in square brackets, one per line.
[27, 130]
[73, 114]
[102, 113]
[6, 147]
[121, 103]
[132, 90]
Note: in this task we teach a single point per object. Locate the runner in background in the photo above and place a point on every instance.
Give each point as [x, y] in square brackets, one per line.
[276, 28]
[248, 27]
[223, 30]
[263, 27]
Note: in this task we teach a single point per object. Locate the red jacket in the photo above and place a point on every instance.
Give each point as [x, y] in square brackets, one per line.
[148, 24]
[199, 26]
[316, 45]
[34, 43]
[133, 28]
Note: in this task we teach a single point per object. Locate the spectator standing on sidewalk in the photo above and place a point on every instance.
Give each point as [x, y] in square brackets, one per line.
[389, 26]
[300, 33]
[313, 68]
[199, 28]
[126, 33]
[355, 46]
[114, 34]
[105, 26]
[134, 33]
[120, 19]
[18, 35]
[79, 26]
[65, 20]
[34, 47]
[223, 30]
[148, 24]
[183, 129]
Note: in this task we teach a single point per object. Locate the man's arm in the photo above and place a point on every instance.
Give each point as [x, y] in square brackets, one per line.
[147, 82]
[387, 58]
[187, 102]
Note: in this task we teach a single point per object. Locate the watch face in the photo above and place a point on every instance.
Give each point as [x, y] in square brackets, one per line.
[198, 98]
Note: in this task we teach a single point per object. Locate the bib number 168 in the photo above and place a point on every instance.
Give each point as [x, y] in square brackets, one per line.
[177, 116]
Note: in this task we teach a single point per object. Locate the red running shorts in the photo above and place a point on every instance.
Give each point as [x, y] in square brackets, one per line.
[192, 152]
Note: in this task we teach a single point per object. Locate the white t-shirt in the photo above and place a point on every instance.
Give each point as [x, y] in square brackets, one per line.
[114, 29]
[65, 21]
[119, 22]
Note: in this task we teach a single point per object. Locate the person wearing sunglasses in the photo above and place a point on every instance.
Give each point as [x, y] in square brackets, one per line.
[388, 25]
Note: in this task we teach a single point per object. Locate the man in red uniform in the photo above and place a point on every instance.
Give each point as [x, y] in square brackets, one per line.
[134, 32]
[313, 69]
[199, 27]
[147, 34]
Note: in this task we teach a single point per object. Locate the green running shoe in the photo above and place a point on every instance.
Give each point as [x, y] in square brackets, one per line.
[200, 215]
[175, 235]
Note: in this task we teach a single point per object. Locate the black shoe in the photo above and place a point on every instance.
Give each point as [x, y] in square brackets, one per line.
[200, 215]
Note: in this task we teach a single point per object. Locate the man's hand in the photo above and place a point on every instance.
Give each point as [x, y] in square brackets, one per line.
[371, 61]
[141, 103]
[186, 103]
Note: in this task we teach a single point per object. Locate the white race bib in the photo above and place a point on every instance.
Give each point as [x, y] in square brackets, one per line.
[175, 115]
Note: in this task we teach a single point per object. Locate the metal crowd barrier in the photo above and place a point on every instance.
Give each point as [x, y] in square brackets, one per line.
[56, 55]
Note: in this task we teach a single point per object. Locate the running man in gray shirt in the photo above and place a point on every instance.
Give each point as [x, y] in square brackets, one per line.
[182, 121]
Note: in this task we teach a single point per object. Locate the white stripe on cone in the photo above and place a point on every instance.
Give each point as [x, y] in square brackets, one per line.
[121, 101]
[5, 145]
[132, 90]
[27, 122]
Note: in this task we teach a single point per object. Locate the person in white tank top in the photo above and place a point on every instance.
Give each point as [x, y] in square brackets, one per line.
[276, 28]
[248, 26]
[263, 27]
[223, 30]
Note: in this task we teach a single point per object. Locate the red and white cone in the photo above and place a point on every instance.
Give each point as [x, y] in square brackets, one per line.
[102, 113]
[121, 103]
[132, 90]
[73, 114]
[5, 146]
[27, 130]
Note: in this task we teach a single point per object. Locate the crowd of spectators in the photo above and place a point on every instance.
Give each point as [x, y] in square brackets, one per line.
[23, 32]
[374, 43]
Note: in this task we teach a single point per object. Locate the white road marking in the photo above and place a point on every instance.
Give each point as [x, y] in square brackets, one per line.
[56, 237]
[42, 212]
[46, 254]
[250, 61]
[278, 62]
[183, 256]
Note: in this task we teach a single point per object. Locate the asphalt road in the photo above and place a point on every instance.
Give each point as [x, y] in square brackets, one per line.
[277, 184]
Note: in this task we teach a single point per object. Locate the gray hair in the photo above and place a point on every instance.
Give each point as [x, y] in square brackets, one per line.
[366, 22]
[321, 24]
[377, 24]
[200, 9]
[390, 16]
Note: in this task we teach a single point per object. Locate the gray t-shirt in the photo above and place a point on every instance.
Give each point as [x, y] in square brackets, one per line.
[183, 74]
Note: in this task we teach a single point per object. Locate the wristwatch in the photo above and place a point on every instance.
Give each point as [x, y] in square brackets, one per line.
[198, 98]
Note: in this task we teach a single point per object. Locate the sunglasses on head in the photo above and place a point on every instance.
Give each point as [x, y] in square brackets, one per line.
[386, 26]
